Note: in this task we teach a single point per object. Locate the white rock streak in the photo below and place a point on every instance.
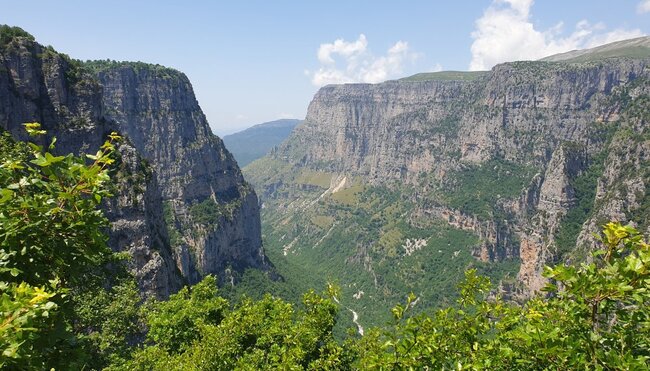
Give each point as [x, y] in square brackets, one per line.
[355, 317]
[287, 248]
[412, 245]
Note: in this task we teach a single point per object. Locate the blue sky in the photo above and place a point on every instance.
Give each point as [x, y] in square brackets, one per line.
[256, 61]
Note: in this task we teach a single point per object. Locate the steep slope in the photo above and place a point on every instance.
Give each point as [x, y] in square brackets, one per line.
[401, 186]
[250, 144]
[636, 48]
[182, 208]
[211, 213]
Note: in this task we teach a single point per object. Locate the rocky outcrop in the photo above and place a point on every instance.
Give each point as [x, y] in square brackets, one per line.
[172, 171]
[556, 195]
[156, 109]
[496, 237]
[137, 225]
[546, 201]
[550, 117]
[623, 191]
[374, 130]
[395, 130]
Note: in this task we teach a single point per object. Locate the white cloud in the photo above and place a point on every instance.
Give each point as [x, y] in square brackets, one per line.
[436, 68]
[240, 117]
[345, 62]
[506, 33]
[643, 7]
[343, 48]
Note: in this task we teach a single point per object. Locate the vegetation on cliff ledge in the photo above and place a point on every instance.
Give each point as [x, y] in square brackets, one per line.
[157, 70]
[9, 34]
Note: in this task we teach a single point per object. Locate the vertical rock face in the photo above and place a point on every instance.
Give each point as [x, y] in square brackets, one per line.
[556, 193]
[156, 109]
[623, 191]
[554, 197]
[137, 225]
[374, 130]
[495, 236]
[551, 123]
[182, 208]
[520, 111]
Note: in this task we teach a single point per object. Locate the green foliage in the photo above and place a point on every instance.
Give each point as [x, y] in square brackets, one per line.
[25, 308]
[356, 238]
[9, 34]
[642, 214]
[620, 138]
[208, 212]
[195, 330]
[89, 315]
[348, 196]
[175, 237]
[131, 179]
[584, 187]
[315, 178]
[597, 317]
[58, 195]
[51, 240]
[156, 70]
[107, 321]
[12, 151]
[267, 170]
[175, 323]
[447, 126]
[476, 189]
[447, 75]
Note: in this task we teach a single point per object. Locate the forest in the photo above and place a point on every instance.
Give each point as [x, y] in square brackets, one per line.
[69, 302]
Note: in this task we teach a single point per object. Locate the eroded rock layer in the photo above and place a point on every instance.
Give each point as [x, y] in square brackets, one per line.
[530, 157]
[183, 209]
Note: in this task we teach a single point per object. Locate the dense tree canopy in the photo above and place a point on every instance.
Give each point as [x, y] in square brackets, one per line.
[52, 251]
[61, 308]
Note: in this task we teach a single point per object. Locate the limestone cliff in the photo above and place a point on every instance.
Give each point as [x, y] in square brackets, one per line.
[182, 208]
[519, 111]
[212, 213]
[556, 126]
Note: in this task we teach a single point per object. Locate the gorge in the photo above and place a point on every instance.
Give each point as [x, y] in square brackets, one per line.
[507, 170]
[446, 220]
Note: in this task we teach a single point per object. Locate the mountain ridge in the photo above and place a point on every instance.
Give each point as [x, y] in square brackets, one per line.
[635, 48]
[256, 141]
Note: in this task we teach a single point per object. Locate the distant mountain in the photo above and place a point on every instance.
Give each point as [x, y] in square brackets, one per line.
[250, 144]
[634, 48]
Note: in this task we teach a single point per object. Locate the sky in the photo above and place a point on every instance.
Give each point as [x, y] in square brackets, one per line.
[256, 61]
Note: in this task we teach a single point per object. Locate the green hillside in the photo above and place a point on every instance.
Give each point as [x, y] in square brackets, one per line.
[327, 234]
[250, 144]
[446, 75]
[633, 48]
